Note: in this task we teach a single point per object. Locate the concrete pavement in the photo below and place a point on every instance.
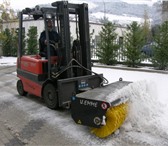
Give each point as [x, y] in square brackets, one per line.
[26, 121]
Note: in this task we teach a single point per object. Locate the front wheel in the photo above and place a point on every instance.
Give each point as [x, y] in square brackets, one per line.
[20, 88]
[50, 96]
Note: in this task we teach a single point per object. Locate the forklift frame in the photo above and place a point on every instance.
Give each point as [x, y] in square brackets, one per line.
[84, 79]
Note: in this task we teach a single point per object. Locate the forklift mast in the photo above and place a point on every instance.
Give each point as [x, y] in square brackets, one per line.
[64, 9]
[61, 11]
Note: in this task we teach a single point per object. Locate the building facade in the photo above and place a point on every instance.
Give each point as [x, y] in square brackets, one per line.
[95, 29]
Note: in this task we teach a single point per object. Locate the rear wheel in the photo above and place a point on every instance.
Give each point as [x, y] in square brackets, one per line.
[50, 96]
[20, 88]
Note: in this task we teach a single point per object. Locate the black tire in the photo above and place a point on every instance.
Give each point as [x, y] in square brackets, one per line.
[50, 96]
[20, 88]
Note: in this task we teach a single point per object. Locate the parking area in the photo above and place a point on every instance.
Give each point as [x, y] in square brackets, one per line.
[27, 121]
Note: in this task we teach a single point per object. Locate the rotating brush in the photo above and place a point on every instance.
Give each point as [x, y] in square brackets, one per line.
[115, 116]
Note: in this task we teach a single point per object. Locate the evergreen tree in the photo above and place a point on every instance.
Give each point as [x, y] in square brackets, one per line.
[7, 42]
[32, 44]
[104, 20]
[154, 30]
[107, 47]
[134, 40]
[160, 55]
[15, 43]
[7, 14]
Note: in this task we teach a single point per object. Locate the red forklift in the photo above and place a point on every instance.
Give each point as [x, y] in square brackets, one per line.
[66, 79]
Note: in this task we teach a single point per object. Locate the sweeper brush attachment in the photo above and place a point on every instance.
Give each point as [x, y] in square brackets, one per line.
[92, 109]
[115, 116]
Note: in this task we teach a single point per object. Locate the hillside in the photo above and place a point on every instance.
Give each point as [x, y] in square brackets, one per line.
[123, 12]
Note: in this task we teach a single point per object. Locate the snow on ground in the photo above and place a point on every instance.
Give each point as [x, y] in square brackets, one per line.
[118, 18]
[6, 61]
[148, 105]
[146, 112]
[147, 2]
[148, 100]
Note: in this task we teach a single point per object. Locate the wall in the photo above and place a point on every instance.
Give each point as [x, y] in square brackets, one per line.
[40, 25]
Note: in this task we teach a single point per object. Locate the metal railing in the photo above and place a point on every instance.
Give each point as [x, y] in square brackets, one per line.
[145, 60]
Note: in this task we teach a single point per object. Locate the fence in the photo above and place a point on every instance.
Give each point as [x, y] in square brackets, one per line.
[145, 60]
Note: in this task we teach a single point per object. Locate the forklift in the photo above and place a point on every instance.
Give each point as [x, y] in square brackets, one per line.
[66, 79]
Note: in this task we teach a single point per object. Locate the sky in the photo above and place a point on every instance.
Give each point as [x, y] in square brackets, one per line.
[21, 4]
[148, 105]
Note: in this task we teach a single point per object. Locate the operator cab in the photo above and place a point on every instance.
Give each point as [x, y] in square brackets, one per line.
[58, 53]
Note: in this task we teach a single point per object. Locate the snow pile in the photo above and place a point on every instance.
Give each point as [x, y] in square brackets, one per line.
[6, 61]
[146, 113]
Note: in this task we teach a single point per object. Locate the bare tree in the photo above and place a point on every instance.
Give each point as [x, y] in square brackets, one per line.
[146, 27]
[164, 7]
[6, 13]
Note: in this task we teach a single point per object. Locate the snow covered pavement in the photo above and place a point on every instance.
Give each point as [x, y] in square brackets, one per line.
[32, 123]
